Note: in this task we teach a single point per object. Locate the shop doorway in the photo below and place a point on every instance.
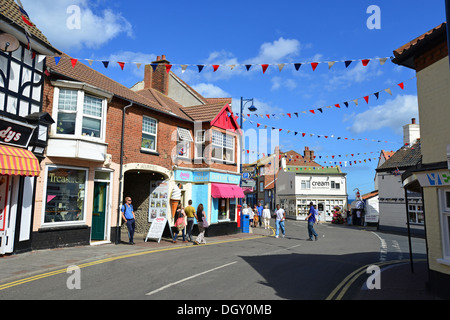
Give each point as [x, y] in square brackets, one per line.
[99, 211]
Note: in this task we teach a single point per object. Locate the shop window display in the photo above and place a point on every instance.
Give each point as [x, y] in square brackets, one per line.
[65, 195]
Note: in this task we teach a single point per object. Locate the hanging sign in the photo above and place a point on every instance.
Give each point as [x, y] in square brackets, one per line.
[15, 133]
[157, 229]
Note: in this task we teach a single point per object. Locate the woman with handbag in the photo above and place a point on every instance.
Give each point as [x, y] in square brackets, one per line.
[202, 223]
[180, 223]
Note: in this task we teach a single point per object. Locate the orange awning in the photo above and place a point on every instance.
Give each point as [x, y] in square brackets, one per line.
[18, 162]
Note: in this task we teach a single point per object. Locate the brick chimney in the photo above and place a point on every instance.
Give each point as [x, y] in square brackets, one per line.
[159, 78]
[307, 154]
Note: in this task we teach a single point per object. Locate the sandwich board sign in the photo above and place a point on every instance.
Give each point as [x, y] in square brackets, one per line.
[157, 229]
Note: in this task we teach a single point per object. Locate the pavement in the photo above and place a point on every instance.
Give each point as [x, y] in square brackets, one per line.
[397, 280]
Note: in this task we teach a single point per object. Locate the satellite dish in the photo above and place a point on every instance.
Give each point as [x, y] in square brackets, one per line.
[8, 42]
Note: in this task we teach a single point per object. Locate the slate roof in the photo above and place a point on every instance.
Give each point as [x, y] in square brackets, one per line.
[405, 157]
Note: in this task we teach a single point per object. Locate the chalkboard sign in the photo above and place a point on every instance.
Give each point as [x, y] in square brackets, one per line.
[157, 229]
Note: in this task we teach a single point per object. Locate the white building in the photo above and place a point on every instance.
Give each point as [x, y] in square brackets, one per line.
[297, 186]
[392, 196]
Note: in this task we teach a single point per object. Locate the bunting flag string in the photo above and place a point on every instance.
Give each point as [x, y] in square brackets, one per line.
[337, 105]
[331, 136]
[264, 66]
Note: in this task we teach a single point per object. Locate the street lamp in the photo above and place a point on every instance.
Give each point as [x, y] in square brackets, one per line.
[252, 108]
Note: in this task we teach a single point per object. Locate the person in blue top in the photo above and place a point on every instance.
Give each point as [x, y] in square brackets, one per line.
[129, 217]
[260, 209]
[311, 220]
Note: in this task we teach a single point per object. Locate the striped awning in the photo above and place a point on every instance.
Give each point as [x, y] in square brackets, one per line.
[18, 162]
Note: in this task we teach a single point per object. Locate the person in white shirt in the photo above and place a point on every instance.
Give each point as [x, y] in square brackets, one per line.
[279, 221]
[266, 216]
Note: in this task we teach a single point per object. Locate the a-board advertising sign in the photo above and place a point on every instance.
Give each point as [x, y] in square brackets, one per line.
[157, 229]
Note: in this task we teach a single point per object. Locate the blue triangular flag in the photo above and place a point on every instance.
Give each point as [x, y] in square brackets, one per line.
[57, 59]
[347, 63]
[105, 63]
[297, 66]
[200, 67]
[154, 66]
[248, 66]
[346, 104]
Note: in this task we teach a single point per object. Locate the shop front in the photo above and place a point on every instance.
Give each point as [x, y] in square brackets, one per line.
[218, 192]
[73, 205]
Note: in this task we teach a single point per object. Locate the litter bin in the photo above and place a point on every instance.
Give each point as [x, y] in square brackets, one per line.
[245, 223]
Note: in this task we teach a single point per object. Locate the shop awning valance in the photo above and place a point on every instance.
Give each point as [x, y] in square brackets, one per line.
[18, 162]
[222, 190]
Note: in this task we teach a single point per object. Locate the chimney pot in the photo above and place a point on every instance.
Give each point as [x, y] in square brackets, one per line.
[413, 120]
[158, 58]
[163, 57]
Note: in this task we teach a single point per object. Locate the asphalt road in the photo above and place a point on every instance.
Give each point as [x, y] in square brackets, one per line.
[264, 268]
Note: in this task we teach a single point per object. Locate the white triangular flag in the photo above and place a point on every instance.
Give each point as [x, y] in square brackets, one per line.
[388, 91]
[183, 68]
[280, 66]
[330, 64]
[383, 61]
[355, 101]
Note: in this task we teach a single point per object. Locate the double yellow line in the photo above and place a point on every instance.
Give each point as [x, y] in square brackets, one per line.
[339, 292]
[97, 262]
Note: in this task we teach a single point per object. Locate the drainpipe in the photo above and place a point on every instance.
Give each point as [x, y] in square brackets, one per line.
[119, 216]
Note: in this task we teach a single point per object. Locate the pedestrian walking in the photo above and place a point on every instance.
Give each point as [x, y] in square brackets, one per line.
[255, 216]
[202, 224]
[180, 224]
[316, 214]
[129, 218]
[260, 211]
[250, 215]
[279, 221]
[190, 214]
[311, 219]
[266, 216]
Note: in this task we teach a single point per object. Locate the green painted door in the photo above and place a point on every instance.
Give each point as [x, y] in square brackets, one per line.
[99, 211]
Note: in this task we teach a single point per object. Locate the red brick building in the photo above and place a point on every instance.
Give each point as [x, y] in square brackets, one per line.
[109, 141]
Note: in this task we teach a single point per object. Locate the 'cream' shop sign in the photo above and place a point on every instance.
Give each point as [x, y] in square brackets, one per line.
[434, 179]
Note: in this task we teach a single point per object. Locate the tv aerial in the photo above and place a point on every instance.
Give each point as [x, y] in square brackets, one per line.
[8, 43]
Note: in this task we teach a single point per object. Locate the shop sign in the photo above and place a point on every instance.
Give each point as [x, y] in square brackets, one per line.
[206, 176]
[15, 133]
[157, 229]
[434, 179]
[320, 185]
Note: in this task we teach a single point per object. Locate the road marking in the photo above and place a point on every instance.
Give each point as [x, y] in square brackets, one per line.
[188, 278]
[383, 248]
[271, 252]
[101, 261]
[352, 277]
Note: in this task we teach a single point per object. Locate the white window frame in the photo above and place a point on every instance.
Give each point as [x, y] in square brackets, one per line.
[444, 209]
[226, 143]
[305, 184]
[81, 92]
[44, 204]
[155, 134]
[184, 141]
[200, 141]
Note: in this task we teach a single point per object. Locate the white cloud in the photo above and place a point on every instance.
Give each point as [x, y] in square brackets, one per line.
[59, 23]
[278, 82]
[394, 114]
[209, 90]
[278, 51]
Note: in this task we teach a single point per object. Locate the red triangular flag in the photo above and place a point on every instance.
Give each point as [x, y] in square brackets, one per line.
[264, 67]
[258, 124]
[74, 62]
[268, 116]
[366, 98]
[401, 85]
[337, 105]
[303, 134]
[314, 65]
[121, 64]
[215, 67]
[288, 114]
[312, 111]
[365, 62]
[168, 66]
[280, 129]
[26, 21]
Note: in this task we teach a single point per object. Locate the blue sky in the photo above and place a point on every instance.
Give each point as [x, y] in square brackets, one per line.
[208, 32]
